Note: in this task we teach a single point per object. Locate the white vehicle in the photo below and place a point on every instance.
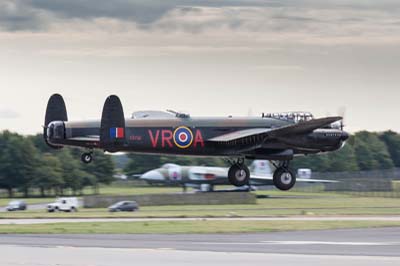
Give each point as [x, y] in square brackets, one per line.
[304, 173]
[64, 204]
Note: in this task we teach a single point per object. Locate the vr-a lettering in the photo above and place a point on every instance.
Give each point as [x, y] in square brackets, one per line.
[164, 137]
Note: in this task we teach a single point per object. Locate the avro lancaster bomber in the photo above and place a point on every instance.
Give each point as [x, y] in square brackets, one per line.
[277, 137]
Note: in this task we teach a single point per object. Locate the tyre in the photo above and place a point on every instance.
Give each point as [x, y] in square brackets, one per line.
[284, 179]
[87, 158]
[239, 175]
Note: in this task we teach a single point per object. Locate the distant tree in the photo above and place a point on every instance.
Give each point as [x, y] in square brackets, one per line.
[392, 140]
[40, 144]
[49, 174]
[371, 152]
[102, 169]
[342, 160]
[19, 159]
[140, 163]
[72, 173]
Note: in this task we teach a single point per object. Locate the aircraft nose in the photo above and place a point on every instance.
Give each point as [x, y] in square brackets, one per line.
[344, 136]
[152, 175]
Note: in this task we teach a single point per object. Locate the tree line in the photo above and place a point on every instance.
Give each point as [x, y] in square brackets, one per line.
[27, 164]
[363, 151]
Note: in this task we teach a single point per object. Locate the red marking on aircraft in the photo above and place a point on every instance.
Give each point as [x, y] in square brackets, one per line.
[183, 137]
[199, 139]
[154, 139]
[166, 138]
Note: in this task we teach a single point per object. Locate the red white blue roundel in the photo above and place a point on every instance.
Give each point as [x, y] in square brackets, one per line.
[183, 137]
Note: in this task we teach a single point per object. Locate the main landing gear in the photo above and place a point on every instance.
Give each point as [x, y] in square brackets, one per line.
[239, 173]
[284, 178]
[87, 157]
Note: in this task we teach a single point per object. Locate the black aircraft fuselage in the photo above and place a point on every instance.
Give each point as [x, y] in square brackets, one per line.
[277, 137]
[161, 136]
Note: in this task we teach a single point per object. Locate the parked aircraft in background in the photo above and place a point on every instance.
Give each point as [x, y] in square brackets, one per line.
[277, 137]
[208, 177]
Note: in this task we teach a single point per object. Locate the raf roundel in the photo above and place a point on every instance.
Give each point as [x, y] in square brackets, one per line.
[183, 137]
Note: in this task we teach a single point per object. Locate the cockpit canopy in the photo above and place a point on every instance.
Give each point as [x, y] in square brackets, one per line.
[291, 116]
[159, 114]
[152, 114]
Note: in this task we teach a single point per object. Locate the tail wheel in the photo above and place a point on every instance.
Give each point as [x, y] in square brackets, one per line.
[239, 175]
[87, 158]
[284, 179]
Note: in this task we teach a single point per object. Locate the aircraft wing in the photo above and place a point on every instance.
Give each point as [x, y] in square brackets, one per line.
[258, 135]
[240, 134]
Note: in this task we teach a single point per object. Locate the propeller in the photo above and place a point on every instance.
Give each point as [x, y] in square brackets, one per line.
[342, 113]
[340, 124]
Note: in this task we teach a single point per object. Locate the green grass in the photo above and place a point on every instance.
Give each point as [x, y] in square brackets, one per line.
[169, 227]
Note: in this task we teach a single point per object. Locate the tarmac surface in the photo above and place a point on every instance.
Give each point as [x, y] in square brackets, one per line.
[326, 247]
[393, 218]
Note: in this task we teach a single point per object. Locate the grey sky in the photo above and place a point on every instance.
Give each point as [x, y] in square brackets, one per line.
[205, 57]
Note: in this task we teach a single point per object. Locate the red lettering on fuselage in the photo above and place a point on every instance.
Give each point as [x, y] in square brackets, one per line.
[154, 139]
[198, 139]
[166, 137]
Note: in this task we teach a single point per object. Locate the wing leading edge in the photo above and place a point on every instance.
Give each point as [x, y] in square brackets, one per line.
[255, 135]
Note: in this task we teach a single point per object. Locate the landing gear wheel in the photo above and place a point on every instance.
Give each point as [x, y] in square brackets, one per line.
[284, 179]
[87, 158]
[239, 175]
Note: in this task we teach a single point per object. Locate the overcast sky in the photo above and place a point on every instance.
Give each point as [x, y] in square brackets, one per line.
[207, 57]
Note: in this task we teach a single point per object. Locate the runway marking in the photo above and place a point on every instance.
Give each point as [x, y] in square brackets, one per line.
[303, 243]
[332, 243]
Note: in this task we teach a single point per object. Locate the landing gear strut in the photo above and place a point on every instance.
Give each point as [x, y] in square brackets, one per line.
[239, 173]
[284, 178]
[87, 157]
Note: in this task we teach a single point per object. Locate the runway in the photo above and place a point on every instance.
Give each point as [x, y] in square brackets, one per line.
[327, 247]
[387, 218]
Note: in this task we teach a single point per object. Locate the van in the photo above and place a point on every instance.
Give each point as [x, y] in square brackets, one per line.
[64, 204]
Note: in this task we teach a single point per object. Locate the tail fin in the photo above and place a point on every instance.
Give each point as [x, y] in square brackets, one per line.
[112, 129]
[55, 111]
